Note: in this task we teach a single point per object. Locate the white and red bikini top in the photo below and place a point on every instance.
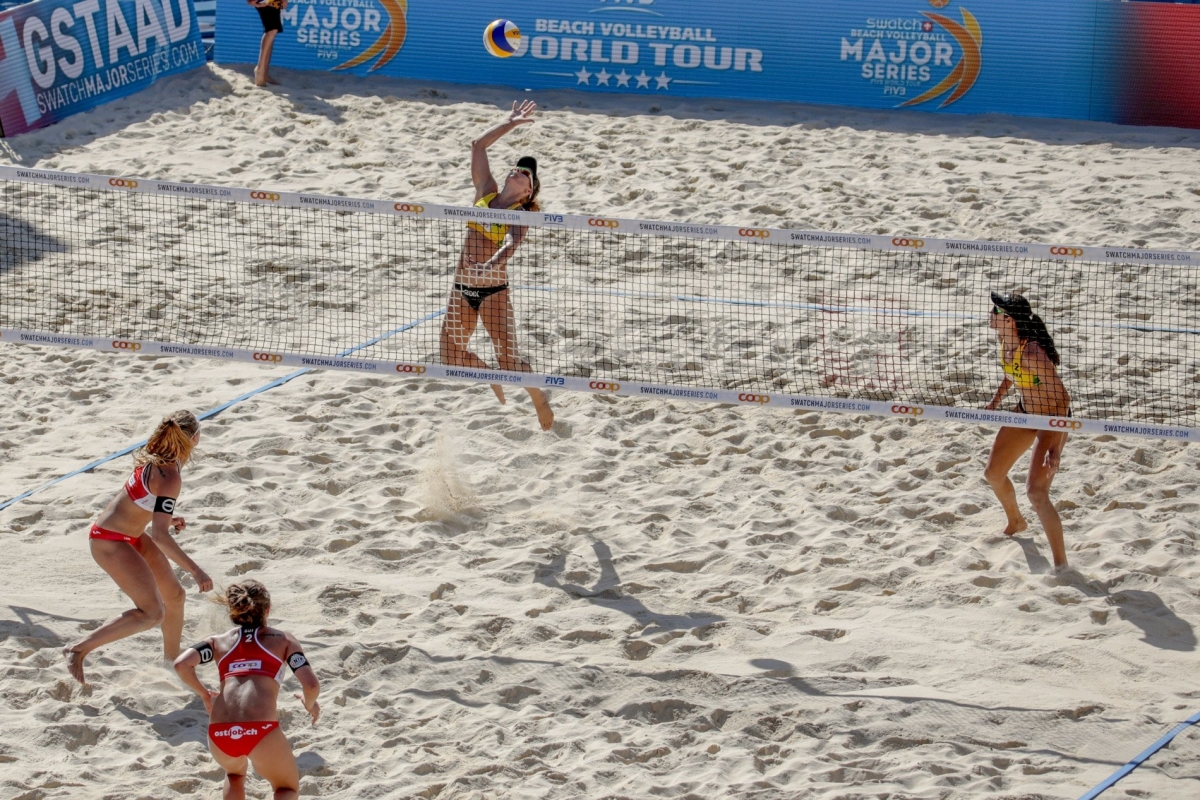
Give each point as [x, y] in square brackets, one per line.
[249, 657]
[138, 488]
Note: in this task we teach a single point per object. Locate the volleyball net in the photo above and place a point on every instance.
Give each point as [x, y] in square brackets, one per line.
[884, 325]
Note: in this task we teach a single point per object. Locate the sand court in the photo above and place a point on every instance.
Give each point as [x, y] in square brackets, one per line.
[654, 598]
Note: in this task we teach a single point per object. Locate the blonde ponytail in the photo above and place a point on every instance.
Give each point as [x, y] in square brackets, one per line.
[171, 441]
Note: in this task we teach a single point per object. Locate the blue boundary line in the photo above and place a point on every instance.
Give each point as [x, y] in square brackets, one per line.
[212, 412]
[1141, 757]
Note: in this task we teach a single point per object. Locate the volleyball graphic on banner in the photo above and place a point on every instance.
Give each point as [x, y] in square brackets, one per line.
[502, 38]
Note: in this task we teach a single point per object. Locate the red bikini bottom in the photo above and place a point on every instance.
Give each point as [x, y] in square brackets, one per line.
[237, 739]
[111, 536]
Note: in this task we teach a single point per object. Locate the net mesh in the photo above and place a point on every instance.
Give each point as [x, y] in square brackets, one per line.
[671, 310]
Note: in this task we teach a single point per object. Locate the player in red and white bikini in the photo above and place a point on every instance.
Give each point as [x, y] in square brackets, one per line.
[243, 719]
[136, 558]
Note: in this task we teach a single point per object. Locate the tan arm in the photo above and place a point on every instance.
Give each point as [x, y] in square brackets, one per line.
[185, 668]
[1001, 393]
[481, 170]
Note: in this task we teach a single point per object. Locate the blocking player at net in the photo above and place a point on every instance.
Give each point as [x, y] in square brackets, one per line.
[243, 715]
[137, 559]
[481, 290]
[1030, 362]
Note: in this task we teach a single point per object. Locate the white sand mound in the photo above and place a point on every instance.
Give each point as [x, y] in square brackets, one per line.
[654, 599]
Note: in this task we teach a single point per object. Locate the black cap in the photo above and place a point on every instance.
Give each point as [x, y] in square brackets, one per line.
[529, 163]
[1013, 304]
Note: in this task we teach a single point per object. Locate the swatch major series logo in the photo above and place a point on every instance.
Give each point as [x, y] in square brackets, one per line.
[332, 28]
[903, 54]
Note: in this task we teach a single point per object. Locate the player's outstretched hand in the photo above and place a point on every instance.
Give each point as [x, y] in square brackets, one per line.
[522, 112]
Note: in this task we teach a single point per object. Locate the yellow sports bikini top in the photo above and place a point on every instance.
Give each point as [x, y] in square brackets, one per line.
[1023, 379]
[495, 231]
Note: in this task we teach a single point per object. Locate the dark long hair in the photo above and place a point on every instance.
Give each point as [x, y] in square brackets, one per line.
[1029, 325]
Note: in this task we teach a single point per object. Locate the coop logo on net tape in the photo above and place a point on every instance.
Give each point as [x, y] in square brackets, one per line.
[604, 386]
[909, 411]
[409, 208]
[410, 369]
[761, 399]
[754, 233]
[123, 183]
[270, 358]
[1069, 252]
[916, 244]
[600, 222]
[269, 197]
[122, 344]
[1068, 424]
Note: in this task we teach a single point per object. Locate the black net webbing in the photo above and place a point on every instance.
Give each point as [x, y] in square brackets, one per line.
[678, 311]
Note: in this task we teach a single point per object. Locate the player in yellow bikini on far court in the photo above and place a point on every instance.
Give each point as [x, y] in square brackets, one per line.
[1030, 362]
[480, 289]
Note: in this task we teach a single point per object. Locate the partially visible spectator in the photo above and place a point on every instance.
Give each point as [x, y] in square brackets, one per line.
[272, 22]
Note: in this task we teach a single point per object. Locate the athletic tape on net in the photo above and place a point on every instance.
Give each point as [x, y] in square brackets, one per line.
[410, 369]
[600, 224]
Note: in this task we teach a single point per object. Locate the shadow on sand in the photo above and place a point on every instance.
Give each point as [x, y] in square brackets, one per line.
[607, 593]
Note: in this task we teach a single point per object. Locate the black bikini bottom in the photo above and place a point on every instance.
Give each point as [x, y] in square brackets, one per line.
[271, 20]
[1020, 409]
[475, 295]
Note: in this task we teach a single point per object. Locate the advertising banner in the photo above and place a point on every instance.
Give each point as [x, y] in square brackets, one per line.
[1077, 59]
[60, 57]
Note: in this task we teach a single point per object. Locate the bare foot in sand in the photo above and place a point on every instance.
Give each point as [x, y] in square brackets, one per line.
[74, 660]
[542, 404]
[499, 390]
[1016, 527]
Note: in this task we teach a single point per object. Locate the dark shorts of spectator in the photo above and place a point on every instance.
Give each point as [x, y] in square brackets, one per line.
[270, 18]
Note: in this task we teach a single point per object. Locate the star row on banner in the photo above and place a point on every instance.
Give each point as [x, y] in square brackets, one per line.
[622, 78]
